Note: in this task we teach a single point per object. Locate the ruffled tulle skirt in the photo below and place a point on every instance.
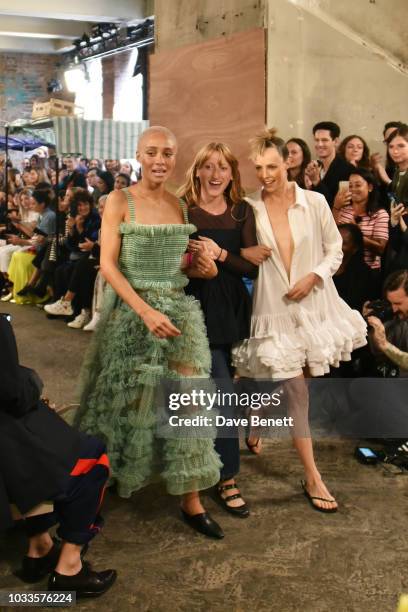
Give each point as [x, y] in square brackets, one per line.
[282, 344]
[122, 371]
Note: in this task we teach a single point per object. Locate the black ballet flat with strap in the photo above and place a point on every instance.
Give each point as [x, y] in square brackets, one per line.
[239, 511]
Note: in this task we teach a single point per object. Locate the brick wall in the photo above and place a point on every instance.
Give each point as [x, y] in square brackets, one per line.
[116, 70]
[23, 79]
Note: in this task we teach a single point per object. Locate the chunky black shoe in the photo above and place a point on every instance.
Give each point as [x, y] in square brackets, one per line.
[39, 290]
[86, 583]
[35, 569]
[25, 290]
[241, 511]
[203, 523]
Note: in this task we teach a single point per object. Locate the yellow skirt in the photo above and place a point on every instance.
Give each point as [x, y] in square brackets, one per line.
[20, 271]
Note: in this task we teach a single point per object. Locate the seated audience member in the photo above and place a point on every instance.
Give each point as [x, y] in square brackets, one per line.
[81, 287]
[76, 179]
[112, 166]
[329, 169]
[355, 151]
[298, 160]
[360, 206]
[21, 267]
[105, 183]
[385, 173]
[95, 163]
[353, 279]
[31, 178]
[121, 181]
[43, 459]
[100, 283]
[42, 279]
[397, 147]
[127, 168]
[83, 233]
[25, 221]
[15, 181]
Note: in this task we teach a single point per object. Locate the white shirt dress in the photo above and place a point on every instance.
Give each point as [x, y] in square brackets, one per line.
[319, 331]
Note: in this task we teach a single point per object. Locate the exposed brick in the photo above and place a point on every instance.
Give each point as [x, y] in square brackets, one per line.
[23, 80]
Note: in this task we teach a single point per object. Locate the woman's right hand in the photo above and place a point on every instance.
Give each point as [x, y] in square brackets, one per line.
[256, 254]
[342, 199]
[160, 325]
[396, 212]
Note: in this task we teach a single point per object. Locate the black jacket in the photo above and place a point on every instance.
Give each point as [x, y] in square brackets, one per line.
[339, 170]
[37, 448]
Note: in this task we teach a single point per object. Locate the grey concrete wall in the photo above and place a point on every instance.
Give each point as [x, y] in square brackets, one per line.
[184, 22]
[327, 59]
[338, 61]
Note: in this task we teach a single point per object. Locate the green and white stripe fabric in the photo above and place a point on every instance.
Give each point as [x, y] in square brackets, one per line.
[105, 139]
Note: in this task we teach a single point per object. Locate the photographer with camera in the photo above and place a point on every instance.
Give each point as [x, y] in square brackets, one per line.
[396, 292]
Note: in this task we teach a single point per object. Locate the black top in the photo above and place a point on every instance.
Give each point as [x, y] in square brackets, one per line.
[355, 284]
[224, 299]
[37, 448]
[339, 170]
[399, 244]
[399, 186]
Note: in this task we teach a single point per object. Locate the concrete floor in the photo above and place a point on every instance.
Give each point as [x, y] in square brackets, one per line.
[284, 558]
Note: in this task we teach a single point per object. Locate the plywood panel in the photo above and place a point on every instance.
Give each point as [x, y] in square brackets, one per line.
[211, 91]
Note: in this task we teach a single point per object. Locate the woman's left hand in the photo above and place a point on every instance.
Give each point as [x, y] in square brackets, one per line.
[303, 287]
[86, 246]
[379, 336]
[210, 245]
[205, 264]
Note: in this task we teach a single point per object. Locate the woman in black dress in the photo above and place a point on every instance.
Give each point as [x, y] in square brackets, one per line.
[225, 224]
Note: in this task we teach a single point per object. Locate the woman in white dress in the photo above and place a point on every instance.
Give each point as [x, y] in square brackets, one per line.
[300, 326]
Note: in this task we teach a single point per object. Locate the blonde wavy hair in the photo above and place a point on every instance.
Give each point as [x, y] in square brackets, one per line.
[190, 190]
[265, 140]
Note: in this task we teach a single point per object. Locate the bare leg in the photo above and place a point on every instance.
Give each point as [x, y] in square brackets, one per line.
[191, 503]
[69, 296]
[298, 407]
[39, 545]
[69, 562]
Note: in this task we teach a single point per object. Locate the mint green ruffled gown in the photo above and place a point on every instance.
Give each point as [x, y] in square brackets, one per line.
[126, 362]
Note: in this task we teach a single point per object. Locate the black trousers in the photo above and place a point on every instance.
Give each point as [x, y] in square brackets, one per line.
[227, 441]
[82, 282]
[76, 509]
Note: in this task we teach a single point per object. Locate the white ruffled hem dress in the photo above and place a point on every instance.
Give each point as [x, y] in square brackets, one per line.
[319, 331]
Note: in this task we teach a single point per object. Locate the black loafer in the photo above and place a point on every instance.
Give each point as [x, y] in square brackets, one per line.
[86, 583]
[33, 570]
[203, 523]
[239, 511]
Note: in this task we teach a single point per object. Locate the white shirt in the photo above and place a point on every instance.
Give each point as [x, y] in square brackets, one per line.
[321, 328]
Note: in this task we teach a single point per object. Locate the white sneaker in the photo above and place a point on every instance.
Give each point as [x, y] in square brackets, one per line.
[60, 308]
[7, 298]
[93, 323]
[80, 320]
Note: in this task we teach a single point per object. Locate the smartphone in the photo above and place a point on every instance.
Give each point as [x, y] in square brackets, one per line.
[366, 455]
[343, 185]
[6, 315]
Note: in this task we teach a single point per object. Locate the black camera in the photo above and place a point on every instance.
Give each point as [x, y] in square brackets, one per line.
[381, 309]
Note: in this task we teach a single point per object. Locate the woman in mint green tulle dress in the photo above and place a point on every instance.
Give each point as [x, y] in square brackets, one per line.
[149, 330]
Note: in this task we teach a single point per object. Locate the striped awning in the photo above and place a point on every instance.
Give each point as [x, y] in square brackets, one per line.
[106, 139]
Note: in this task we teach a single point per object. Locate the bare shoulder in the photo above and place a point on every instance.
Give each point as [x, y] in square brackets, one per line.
[116, 205]
[171, 199]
